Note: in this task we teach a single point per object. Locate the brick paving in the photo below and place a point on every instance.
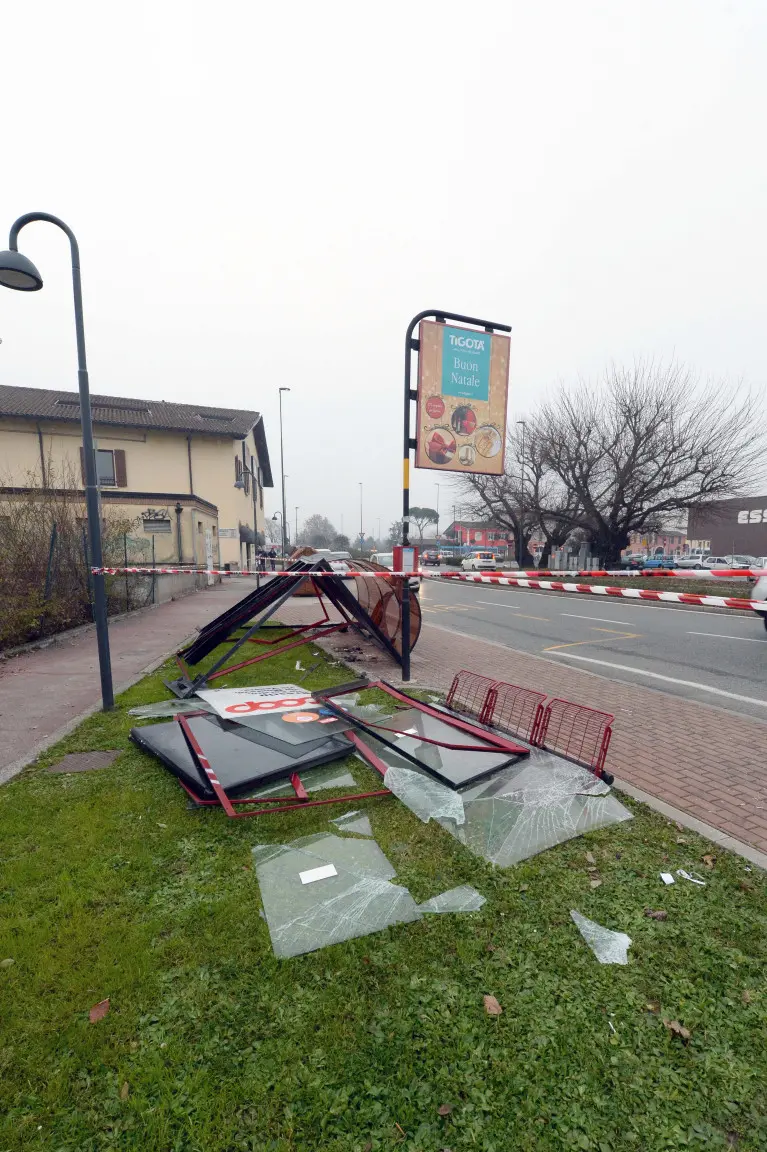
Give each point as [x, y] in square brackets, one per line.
[46, 692]
[700, 759]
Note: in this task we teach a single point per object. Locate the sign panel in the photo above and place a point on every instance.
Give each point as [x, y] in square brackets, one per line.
[230, 703]
[463, 385]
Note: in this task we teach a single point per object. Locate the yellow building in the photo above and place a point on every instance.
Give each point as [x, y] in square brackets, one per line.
[171, 469]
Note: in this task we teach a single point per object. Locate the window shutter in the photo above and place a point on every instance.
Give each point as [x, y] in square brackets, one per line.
[121, 475]
[82, 465]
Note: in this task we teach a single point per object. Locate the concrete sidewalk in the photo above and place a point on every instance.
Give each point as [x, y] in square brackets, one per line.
[46, 692]
[693, 759]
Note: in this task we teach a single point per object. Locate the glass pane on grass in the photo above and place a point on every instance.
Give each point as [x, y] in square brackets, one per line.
[353, 822]
[463, 899]
[357, 900]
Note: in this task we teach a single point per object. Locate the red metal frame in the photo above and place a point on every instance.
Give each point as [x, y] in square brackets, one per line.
[282, 803]
[465, 691]
[462, 725]
[516, 709]
[580, 733]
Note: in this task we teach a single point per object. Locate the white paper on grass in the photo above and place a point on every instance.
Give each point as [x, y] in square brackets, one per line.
[230, 703]
[609, 947]
[667, 878]
[321, 873]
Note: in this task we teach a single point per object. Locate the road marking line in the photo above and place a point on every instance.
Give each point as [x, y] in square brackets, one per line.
[719, 636]
[651, 605]
[513, 608]
[577, 643]
[667, 679]
[601, 619]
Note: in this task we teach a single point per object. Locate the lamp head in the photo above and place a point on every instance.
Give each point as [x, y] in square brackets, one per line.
[16, 271]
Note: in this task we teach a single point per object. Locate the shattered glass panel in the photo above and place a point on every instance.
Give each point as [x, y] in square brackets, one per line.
[425, 797]
[162, 709]
[454, 766]
[533, 806]
[609, 947]
[353, 822]
[358, 900]
[463, 899]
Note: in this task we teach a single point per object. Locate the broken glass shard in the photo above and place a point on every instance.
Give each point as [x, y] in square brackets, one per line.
[609, 947]
[463, 899]
[358, 900]
[353, 822]
[532, 806]
[313, 780]
[425, 797]
[162, 709]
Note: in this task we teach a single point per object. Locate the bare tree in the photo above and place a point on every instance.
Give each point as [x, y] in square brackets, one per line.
[317, 532]
[645, 444]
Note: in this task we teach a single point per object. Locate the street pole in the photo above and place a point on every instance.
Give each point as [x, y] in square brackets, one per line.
[362, 533]
[521, 495]
[413, 345]
[437, 511]
[16, 271]
[296, 536]
[282, 470]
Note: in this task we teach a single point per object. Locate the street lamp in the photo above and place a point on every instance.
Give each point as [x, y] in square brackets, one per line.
[282, 470]
[296, 536]
[19, 273]
[362, 533]
[521, 495]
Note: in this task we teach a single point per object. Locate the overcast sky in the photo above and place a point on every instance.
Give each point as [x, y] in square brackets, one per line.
[265, 194]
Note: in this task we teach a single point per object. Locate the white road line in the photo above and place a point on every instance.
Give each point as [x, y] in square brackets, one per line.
[495, 604]
[599, 619]
[719, 636]
[657, 676]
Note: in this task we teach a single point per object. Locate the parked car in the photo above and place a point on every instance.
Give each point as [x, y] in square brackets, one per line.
[480, 562]
[694, 560]
[715, 562]
[430, 556]
[740, 561]
[759, 592]
[659, 562]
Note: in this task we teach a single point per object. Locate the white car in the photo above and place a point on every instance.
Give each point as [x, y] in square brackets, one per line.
[480, 562]
[759, 592]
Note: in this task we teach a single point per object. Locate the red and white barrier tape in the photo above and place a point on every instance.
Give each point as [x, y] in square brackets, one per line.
[476, 578]
[688, 573]
[609, 590]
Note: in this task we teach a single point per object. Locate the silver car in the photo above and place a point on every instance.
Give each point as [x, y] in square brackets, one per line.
[759, 592]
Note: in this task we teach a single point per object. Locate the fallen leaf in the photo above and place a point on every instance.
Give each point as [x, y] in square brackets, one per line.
[7, 963]
[492, 1007]
[679, 826]
[656, 914]
[747, 997]
[665, 857]
[590, 858]
[444, 1109]
[99, 1011]
[709, 861]
[677, 1029]
[746, 886]
[653, 1006]
[124, 1091]
[594, 883]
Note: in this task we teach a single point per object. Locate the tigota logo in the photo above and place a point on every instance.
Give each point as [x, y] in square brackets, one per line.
[477, 343]
[754, 516]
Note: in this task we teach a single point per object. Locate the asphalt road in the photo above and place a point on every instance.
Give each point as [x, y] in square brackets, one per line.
[710, 657]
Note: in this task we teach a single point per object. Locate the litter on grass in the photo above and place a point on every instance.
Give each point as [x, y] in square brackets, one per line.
[688, 876]
[667, 878]
[609, 947]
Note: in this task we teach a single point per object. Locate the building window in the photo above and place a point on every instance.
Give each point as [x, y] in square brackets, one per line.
[105, 468]
[156, 526]
[213, 530]
[199, 527]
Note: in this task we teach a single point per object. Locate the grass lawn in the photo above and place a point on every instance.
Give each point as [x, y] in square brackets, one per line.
[111, 887]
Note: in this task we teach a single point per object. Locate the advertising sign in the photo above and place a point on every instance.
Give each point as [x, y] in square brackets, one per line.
[463, 386]
[230, 703]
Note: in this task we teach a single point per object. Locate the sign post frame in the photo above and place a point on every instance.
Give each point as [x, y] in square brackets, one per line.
[412, 344]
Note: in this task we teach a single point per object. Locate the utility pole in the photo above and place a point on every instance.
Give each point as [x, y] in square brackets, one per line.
[521, 497]
[282, 470]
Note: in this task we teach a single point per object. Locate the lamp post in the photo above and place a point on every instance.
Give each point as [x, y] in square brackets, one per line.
[17, 272]
[282, 470]
[296, 536]
[437, 511]
[521, 496]
[362, 534]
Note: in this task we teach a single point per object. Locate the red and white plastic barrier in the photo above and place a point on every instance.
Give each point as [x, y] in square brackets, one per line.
[609, 590]
[477, 578]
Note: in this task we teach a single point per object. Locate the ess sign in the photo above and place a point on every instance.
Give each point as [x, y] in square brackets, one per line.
[755, 516]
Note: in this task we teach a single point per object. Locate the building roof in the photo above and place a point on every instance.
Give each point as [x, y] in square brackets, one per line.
[476, 526]
[127, 412]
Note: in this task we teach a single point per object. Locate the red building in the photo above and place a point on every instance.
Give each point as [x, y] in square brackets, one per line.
[476, 534]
